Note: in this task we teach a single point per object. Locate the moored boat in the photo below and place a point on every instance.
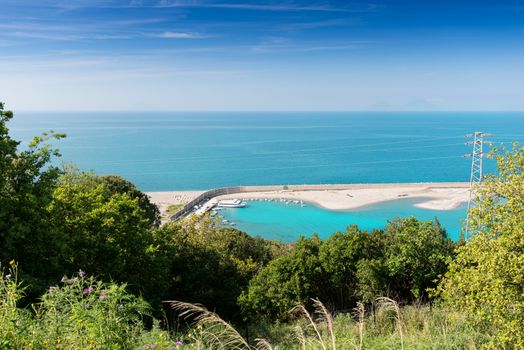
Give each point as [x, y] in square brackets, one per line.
[231, 203]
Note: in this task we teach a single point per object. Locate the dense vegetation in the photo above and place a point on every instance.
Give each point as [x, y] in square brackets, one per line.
[404, 286]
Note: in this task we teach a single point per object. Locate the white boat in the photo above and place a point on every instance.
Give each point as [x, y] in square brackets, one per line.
[231, 203]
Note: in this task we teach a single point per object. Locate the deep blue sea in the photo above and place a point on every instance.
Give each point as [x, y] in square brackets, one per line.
[202, 150]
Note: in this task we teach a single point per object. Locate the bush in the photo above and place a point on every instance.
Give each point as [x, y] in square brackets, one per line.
[402, 261]
[79, 313]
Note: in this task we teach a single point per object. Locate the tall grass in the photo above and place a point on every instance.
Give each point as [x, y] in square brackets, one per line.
[82, 313]
[388, 326]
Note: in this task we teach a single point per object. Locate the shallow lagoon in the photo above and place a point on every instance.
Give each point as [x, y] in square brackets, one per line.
[286, 222]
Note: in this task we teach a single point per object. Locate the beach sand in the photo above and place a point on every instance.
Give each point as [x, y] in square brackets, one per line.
[436, 196]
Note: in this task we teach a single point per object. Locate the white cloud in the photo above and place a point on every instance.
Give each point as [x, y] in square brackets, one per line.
[180, 35]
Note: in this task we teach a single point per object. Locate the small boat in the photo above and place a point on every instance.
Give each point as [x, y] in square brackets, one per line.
[231, 203]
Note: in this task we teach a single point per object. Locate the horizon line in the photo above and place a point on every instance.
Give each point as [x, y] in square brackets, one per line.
[264, 110]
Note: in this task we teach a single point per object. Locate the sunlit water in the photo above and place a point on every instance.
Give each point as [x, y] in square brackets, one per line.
[286, 222]
[202, 150]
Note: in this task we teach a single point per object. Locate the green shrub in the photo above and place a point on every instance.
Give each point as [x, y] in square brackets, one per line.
[78, 313]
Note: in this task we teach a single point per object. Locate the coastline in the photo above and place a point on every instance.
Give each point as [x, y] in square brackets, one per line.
[435, 196]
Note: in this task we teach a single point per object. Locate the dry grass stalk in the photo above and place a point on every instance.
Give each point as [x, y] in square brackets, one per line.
[301, 310]
[325, 316]
[216, 333]
[301, 336]
[391, 305]
[263, 344]
[360, 312]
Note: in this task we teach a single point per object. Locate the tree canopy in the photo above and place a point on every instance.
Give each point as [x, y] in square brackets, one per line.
[487, 277]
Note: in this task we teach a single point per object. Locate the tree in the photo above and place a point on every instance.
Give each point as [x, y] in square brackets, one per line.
[416, 254]
[286, 281]
[27, 181]
[107, 234]
[116, 184]
[343, 256]
[487, 277]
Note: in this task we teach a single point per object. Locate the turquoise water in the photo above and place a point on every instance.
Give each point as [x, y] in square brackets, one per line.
[275, 220]
[202, 150]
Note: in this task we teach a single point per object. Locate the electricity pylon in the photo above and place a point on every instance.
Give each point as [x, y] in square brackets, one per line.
[476, 176]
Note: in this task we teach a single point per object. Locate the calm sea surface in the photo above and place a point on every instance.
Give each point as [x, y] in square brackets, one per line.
[286, 222]
[183, 151]
[202, 150]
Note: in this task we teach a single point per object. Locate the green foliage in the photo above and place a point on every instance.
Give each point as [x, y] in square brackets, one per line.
[402, 261]
[387, 326]
[116, 184]
[486, 280]
[79, 313]
[27, 182]
[416, 255]
[107, 233]
[213, 265]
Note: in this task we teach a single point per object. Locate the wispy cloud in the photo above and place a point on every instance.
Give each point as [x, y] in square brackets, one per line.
[277, 6]
[284, 45]
[181, 35]
[338, 22]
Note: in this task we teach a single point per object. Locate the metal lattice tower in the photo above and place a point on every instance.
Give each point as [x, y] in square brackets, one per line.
[476, 175]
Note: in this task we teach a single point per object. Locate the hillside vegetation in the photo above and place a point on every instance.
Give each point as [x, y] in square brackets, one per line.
[86, 265]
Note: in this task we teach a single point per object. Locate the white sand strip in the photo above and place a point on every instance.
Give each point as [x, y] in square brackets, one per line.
[436, 196]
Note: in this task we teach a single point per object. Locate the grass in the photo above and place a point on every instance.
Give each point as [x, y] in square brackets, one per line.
[82, 313]
[384, 326]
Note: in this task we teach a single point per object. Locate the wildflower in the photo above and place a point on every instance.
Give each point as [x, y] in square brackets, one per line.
[71, 281]
[64, 278]
[88, 290]
[178, 343]
[12, 262]
[81, 273]
[8, 276]
[52, 288]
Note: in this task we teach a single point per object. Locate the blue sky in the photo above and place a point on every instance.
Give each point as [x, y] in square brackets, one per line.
[261, 55]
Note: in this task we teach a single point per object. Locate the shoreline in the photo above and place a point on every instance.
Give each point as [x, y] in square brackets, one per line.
[434, 195]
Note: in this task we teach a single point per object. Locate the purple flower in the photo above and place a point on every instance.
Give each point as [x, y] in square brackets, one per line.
[88, 290]
[64, 278]
[178, 343]
[52, 288]
[81, 273]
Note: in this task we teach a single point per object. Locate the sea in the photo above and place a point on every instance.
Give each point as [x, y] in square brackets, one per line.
[170, 151]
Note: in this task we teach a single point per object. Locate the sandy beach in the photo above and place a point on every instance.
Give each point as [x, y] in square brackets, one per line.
[436, 196]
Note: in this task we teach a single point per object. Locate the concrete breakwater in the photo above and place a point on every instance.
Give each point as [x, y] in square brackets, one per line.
[282, 190]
